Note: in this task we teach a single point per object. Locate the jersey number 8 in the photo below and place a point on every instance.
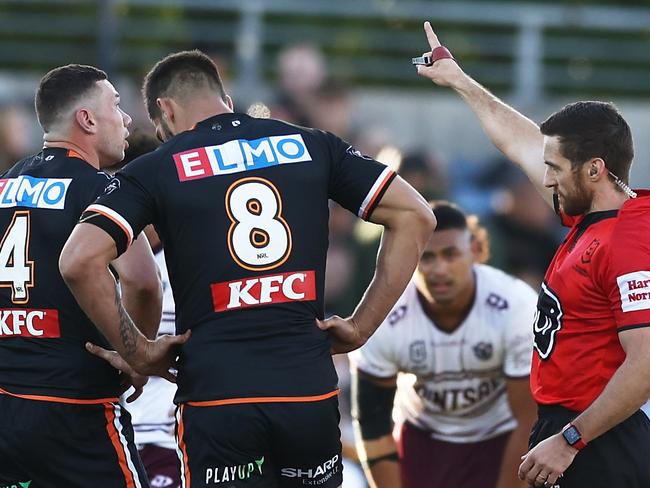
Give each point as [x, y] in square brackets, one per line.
[258, 238]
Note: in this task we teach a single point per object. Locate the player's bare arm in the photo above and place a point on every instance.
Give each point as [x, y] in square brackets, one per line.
[524, 410]
[84, 266]
[373, 403]
[408, 222]
[140, 286]
[625, 393]
[515, 135]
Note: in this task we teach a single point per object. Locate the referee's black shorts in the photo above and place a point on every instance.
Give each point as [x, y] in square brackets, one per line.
[618, 458]
[46, 444]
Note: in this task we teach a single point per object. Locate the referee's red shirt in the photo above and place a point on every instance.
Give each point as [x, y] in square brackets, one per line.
[597, 285]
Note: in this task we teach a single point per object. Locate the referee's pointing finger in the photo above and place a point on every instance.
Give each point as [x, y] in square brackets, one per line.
[431, 36]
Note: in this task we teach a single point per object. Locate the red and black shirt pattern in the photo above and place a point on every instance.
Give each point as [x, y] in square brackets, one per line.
[597, 286]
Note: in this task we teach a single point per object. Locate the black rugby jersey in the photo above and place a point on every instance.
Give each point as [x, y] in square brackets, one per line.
[241, 205]
[42, 329]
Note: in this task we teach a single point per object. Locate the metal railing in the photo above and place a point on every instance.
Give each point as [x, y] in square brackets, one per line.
[528, 50]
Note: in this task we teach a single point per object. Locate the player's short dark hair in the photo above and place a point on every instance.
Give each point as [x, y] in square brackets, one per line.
[448, 215]
[61, 87]
[451, 216]
[590, 130]
[185, 70]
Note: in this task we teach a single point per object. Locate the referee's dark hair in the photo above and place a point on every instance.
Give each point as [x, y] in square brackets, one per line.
[60, 88]
[590, 130]
[178, 74]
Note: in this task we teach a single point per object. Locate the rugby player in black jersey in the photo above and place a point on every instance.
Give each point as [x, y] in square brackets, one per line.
[241, 205]
[61, 423]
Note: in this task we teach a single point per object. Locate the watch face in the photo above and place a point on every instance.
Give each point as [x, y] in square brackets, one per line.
[571, 435]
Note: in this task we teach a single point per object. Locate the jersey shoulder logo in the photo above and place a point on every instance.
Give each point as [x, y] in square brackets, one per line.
[397, 314]
[634, 289]
[548, 321]
[31, 192]
[240, 155]
[495, 301]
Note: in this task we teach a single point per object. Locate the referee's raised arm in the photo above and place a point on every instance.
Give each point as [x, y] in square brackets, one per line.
[514, 134]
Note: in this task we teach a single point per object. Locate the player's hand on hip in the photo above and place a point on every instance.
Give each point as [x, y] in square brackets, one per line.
[344, 334]
[443, 72]
[159, 356]
[545, 463]
[129, 377]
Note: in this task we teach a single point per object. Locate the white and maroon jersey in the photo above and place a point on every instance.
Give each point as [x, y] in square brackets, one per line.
[454, 384]
[153, 413]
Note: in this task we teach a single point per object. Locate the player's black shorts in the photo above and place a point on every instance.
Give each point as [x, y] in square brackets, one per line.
[269, 445]
[619, 457]
[54, 445]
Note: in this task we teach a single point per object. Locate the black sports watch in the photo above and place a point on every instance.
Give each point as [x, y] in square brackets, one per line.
[573, 437]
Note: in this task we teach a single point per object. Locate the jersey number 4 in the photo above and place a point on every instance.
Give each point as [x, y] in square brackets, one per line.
[16, 270]
[259, 238]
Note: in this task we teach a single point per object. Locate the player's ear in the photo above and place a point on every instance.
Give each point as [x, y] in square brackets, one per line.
[166, 108]
[86, 120]
[229, 102]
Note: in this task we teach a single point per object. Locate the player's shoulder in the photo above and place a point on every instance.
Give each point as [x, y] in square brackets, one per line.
[501, 291]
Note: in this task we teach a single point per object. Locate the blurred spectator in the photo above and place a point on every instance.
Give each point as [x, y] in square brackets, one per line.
[524, 229]
[302, 71]
[14, 135]
[330, 109]
[341, 267]
[425, 173]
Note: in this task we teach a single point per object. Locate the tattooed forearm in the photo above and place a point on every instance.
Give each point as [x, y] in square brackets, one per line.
[128, 332]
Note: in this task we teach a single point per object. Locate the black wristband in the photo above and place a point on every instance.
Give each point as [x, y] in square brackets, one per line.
[387, 457]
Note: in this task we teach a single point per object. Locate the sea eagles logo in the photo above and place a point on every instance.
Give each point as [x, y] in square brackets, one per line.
[113, 185]
[483, 350]
[548, 320]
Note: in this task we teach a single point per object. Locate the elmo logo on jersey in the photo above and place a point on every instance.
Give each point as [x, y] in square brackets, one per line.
[27, 191]
[240, 155]
[634, 289]
[41, 324]
[264, 290]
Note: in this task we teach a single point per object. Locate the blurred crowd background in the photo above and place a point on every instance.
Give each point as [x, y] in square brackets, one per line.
[344, 66]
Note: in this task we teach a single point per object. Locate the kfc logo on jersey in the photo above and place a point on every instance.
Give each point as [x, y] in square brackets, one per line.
[298, 286]
[548, 321]
[240, 155]
[34, 324]
[634, 289]
[27, 191]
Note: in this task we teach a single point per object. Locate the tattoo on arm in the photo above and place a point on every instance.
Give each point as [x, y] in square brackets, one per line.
[128, 334]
